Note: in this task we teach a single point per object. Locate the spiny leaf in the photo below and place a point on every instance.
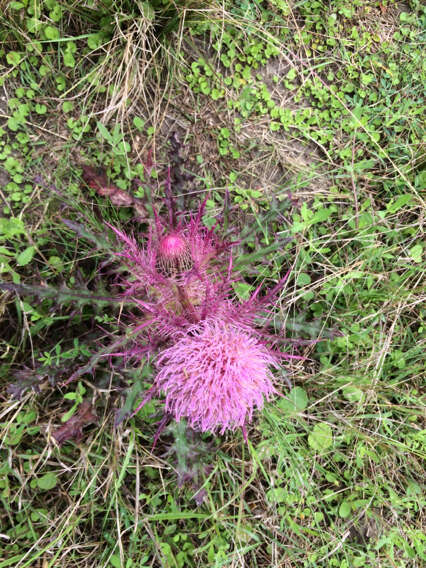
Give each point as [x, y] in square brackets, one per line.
[100, 242]
[61, 295]
[132, 395]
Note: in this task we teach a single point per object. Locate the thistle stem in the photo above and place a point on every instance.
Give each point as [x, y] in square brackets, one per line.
[186, 304]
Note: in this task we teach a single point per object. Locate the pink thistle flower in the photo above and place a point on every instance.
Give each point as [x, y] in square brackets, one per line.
[215, 375]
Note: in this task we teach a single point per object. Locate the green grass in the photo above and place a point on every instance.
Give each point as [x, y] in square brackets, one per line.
[310, 114]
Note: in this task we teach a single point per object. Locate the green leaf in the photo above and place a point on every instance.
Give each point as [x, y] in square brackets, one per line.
[94, 41]
[177, 516]
[33, 25]
[321, 215]
[56, 13]
[70, 395]
[43, 70]
[115, 561]
[48, 481]
[353, 394]
[4, 250]
[416, 253]
[291, 74]
[40, 108]
[69, 60]
[56, 263]
[67, 106]
[133, 393]
[243, 290]
[121, 149]
[51, 32]
[321, 437]
[260, 253]
[402, 200]
[299, 398]
[345, 509]
[104, 133]
[11, 227]
[296, 401]
[14, 435]
[69, 413]
[13, 123]
[276, 495]
[25, 257]
[367, 78]
[14, 57]
[147, 10]
[60, 82]
[303, 279]
[138, 123]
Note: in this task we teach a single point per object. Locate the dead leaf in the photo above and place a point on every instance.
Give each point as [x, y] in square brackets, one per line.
[96, 179]
[121, 198]
[73, 428]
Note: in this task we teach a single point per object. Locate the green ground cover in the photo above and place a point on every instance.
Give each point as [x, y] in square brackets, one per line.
[304, 120]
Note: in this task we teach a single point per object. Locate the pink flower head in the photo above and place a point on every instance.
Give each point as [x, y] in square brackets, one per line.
[215, 375]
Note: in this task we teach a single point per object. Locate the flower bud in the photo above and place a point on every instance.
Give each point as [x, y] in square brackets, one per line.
[173, 256]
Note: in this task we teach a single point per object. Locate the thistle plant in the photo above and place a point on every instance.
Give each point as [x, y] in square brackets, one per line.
[213, 360]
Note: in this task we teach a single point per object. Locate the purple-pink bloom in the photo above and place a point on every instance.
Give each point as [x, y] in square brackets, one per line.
[214, 376]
